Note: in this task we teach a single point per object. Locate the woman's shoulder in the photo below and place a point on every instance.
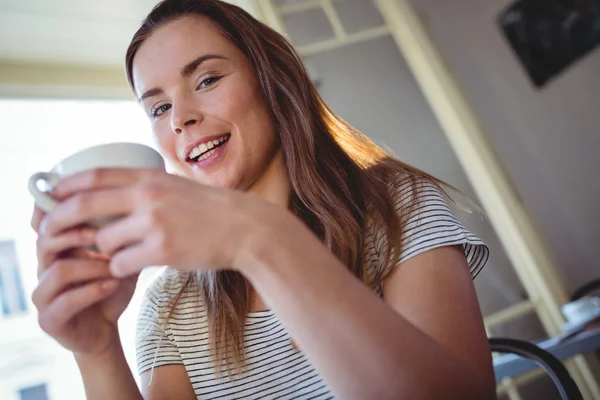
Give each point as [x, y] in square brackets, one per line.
[408, 193]
[171, 297]
[406, 187]
[164, 286]
[428, 220]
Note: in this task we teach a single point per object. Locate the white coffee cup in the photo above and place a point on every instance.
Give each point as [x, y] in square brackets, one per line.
[582, 310]
[112, 155]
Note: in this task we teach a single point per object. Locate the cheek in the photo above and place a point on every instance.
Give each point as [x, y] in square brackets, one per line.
[238, 102]
[225, 106]
[248, 113]
[165, 140]
[260, 125]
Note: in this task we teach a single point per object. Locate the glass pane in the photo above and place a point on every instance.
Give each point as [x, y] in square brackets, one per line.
[39, 392]
[358, 15]
[526, 327]
[35, 135]
[308, 27]
[11, 287]
[287, 2]
[3, 297]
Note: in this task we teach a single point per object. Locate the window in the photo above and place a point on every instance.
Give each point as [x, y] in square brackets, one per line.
[11, 287]
[61, 127]
[38, 392]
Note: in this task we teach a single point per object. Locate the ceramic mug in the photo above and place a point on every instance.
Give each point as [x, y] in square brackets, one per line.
[112, 155]
[580, 311]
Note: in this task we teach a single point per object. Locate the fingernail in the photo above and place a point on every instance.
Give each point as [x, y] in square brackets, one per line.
[43, 224]
[114, 270]
[99, 256]
[107, 286]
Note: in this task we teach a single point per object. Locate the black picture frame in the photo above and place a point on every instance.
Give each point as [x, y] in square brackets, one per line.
[548, 36]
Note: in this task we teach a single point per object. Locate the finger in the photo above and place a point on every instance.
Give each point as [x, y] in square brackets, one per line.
[49, 247]
[100, 178]
[84, 207]
[36, 217]
[70, 303]
[67, 273]
[83, 253]
[121, 233]
[133, 259]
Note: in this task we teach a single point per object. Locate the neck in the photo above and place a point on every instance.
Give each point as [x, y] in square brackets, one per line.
[274, 185]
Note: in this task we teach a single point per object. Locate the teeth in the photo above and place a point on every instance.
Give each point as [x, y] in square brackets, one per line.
[207, 154]
[205, 150]
[195, 153]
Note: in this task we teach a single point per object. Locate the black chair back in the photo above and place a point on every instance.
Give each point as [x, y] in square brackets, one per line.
[553, 366]
[586, 289]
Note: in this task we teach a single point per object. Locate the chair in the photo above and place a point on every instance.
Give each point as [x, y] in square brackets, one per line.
[586, 289]
[553, 366]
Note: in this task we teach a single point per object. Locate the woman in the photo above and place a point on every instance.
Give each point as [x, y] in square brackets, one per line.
[304, 262]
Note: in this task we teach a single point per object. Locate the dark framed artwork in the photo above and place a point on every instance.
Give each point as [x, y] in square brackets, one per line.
[548, 36]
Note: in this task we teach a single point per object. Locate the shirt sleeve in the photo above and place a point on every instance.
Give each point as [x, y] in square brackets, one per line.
[154, 341]
[429, 225]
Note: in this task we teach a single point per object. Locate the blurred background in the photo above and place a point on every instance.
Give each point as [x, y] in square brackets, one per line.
[457, 88]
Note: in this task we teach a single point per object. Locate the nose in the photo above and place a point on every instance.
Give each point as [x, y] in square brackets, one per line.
[184, 116]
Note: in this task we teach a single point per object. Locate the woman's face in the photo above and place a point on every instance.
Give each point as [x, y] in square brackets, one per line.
[203, 100]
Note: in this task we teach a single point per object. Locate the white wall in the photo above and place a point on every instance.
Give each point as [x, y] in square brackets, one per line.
[548, 140]
[371, 87]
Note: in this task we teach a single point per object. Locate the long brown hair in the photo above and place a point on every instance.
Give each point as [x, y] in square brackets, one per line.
[338, 176]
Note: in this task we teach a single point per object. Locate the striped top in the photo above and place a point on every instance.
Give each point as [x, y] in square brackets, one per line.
[274, 369]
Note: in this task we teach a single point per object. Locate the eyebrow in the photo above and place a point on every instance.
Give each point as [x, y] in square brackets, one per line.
[185, 72]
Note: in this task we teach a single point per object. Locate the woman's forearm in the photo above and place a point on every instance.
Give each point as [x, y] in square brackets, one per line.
[360, 345]
[108, 376]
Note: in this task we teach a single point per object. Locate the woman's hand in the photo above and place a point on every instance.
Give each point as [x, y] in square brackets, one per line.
[165, 219]
[78, 300]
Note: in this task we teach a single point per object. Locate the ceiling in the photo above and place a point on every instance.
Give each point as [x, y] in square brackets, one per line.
[70, 48]
[83, 32]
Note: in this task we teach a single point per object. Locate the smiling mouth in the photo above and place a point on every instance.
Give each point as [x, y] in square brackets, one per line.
[205, 150]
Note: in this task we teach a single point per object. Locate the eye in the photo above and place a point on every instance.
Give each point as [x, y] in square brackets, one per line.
[208, 82]
[158, 111]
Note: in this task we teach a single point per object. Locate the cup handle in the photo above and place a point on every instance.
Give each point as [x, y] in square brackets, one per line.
[43, 199]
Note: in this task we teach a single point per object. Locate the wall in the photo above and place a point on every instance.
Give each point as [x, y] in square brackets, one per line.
[371, 87]
[547, 139]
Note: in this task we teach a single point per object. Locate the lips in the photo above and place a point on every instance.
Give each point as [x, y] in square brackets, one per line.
[205, 148]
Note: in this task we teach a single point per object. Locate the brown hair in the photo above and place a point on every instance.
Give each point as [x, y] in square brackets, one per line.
[338, 176]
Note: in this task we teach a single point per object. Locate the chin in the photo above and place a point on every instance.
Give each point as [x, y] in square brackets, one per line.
[221, 179]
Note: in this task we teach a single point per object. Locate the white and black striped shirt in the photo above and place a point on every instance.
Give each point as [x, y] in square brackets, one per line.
[273, 368]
